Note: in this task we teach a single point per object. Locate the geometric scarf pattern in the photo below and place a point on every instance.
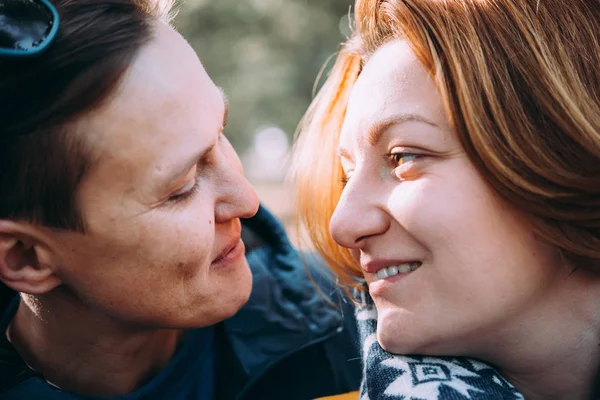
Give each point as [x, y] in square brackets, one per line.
[388, 376]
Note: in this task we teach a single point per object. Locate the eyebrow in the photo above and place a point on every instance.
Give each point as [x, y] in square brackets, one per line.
[184, 167]
[378, 129]
[226, 106]
[345, 153]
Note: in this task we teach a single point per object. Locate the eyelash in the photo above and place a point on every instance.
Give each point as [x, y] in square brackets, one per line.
[392, 158]
[179, 198]
[182, 197]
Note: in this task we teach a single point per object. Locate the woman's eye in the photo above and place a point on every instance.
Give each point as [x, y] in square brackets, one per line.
[345, 178]
[402, 158]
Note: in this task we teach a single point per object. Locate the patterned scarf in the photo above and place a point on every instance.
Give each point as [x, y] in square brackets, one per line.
[393, 377]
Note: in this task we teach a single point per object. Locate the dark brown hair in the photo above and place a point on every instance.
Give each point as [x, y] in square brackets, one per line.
[42, 161]
[520, 82]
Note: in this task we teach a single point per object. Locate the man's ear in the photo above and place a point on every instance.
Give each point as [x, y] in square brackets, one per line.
[27, 263]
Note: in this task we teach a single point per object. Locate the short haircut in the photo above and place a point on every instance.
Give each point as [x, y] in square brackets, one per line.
[42, 161]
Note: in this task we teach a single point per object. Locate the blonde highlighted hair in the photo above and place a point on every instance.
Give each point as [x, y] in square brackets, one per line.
[520, 82]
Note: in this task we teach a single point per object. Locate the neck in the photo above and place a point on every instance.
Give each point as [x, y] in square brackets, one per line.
[552, 351]
[89, 353]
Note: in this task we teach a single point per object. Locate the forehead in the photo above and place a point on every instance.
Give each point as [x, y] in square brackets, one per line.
[166, 105]
[392, 82]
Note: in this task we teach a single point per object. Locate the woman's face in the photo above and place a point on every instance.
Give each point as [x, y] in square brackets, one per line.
[449, 265]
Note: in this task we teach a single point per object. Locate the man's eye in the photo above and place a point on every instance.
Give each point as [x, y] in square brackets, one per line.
[186, 192]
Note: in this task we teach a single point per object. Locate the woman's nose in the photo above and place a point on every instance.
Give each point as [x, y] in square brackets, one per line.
[358, 215]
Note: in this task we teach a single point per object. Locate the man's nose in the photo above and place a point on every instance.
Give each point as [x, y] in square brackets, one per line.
[358, 215]
[237, 198]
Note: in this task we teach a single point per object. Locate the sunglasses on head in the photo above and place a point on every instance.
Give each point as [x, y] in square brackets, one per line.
[27, 27]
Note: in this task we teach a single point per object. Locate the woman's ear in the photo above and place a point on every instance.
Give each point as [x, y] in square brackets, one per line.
[27, 263]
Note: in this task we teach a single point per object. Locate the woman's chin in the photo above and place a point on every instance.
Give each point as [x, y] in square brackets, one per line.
[399, 333]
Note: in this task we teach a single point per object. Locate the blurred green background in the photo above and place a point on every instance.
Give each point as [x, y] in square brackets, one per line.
[266, 55]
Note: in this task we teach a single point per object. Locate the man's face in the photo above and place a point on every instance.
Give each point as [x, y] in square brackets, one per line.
[162, 200]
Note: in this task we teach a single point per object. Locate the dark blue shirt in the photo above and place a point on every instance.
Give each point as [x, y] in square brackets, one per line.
[295, 339]
[189, 375]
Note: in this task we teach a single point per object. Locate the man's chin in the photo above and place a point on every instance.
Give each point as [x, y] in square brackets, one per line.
[231, 300]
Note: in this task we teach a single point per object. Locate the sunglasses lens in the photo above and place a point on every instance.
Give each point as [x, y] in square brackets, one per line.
[24, 24]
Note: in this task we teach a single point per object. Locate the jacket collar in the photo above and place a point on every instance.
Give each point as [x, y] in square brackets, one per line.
[285, 312]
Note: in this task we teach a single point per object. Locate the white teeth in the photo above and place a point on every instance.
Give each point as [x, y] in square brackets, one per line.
[396, 269]
[404, 268]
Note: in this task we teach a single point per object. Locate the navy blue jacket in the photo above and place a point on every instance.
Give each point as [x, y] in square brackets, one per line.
[290, 341]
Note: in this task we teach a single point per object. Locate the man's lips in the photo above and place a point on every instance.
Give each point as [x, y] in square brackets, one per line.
[232, 246]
